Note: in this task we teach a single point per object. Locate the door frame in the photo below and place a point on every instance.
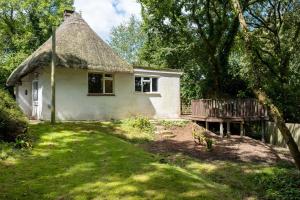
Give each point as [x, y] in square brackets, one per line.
[35, 103]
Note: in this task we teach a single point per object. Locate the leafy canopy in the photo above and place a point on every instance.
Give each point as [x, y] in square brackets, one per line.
[195, 36]
[24, 26]
[127, 40]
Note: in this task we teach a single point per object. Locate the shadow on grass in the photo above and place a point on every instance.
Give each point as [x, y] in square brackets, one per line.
[85, 161]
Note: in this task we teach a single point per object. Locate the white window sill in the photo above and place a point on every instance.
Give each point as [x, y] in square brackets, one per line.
[99, 94]
[147, 93]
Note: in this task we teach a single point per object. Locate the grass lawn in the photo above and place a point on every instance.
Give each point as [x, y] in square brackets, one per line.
[92, 161]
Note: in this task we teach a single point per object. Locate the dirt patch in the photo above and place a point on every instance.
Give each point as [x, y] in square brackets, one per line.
[235, 148]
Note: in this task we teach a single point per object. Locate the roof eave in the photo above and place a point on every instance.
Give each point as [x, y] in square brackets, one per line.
[164, 71]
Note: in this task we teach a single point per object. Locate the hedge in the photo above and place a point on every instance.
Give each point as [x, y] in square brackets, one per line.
[12, 120]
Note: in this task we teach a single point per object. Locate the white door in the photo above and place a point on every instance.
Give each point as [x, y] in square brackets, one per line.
[35, 99]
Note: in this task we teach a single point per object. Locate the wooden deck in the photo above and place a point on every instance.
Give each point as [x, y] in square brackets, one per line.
[228, 111]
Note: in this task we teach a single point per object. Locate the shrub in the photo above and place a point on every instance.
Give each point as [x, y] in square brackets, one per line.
[23, 141]
[209, 144]
[199, 135]
[12, 120]
[142, 123]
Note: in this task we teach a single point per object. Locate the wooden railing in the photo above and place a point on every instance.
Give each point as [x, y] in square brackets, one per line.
[235, 108]
[186, 109]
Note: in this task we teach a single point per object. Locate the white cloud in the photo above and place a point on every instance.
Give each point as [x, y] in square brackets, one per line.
[102, 15]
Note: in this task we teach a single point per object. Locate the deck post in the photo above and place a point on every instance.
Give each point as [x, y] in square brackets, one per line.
[221, 129]
[206, 125]
[242, 129]
[228, 129]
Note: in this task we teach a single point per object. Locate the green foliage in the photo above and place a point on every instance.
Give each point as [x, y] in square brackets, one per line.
[279, 184]
[173, 123]
[275, 36]
[142, 123]
[90, 162]
[197, 37]
[6, 150]
[23, 141]
[127, 40]
[200, 136]
[209, 144]
[12, 120]
[24, 26]
[8, 62]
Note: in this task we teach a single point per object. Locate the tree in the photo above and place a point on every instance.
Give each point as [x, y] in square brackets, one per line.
[257, 67]
[195, 36]
[127, 40]
[24, 26]
[274, 28]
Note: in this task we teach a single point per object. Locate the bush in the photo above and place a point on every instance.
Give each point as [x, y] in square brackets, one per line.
[142, 123]
[209, 144]
[12, 120]
[199, 135]
[23, 141]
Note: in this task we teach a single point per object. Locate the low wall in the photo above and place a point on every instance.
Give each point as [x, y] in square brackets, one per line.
[274, 136]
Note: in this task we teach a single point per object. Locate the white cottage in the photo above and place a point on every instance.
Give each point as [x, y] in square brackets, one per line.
[92, 82]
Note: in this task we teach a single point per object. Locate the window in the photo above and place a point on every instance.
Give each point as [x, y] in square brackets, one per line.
[100, 83]
[154, 85]
[35, 89]
[138, 84]
[146, 84]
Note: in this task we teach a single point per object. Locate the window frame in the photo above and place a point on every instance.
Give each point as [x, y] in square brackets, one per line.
[104, 78]
[142, 85]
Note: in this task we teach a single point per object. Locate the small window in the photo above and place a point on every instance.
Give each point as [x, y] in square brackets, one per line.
[95, 83]
[154, 85]
[100, 83]
[138, 84]
[146, 84]
[108, 86]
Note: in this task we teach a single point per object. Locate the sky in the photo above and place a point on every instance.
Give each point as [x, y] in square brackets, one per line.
[102, 15]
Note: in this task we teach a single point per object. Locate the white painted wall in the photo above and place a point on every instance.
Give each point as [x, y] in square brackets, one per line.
[25, 100]
[72, 102]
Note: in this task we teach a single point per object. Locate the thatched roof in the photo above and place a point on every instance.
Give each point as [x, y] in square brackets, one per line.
[77, 46]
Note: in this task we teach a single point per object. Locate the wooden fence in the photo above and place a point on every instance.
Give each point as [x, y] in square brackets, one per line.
[274, 136]
[234, 108]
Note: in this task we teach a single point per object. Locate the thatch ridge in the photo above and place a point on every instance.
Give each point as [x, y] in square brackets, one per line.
[77, 46]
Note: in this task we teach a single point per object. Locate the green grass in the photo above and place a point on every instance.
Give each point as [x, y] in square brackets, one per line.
[99, 161]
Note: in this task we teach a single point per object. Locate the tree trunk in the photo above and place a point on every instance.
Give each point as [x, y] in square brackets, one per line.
[279, 121]
[273, 111]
